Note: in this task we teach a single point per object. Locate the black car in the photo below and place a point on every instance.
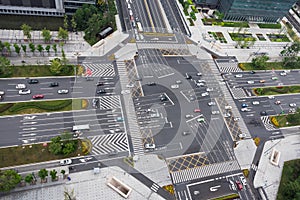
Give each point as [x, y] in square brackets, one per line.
[54, 84]
[252, 72]
[33, 81]
[99, 84]
[101, 91]
[187, 76]
[263, 113]
[151, 83]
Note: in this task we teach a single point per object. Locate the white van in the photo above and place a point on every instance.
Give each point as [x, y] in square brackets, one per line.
[81, 127]
[2, 92]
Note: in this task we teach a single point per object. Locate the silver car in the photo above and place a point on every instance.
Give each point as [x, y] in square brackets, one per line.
[63, 91]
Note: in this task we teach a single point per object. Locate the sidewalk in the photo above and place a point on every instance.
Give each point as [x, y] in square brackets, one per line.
[268, 175]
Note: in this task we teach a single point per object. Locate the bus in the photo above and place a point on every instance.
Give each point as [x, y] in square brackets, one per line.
[81, 127]
[139, 26]
[104, 33]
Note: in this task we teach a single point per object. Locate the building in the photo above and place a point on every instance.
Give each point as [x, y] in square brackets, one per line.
[55, 8]
[212, 4]
[261, 11]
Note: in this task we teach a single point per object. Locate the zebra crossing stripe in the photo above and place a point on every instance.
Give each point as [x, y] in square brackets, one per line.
[267, 123]
[238, 93]
[254, 167]
[108, 102]
[99, 69]
[154, 187]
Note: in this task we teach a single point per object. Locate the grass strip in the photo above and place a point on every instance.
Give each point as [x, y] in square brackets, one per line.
[263, 91]
[269, 66]
[228, 197]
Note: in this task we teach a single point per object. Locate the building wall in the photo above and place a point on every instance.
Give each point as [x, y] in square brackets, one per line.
[255, 10]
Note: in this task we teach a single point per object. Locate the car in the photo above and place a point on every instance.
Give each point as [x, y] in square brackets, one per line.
[38, 96]
[245, 109]
[163, 98]
[120, 119]
[24, 91]
[293, 105]
[271, 97]
[263, 113]
[292, 110]
[226, 115]
[101, 91]
[20, 86]
[252, 72]
[236, 119]
[100, 83]
[149, 146]
[239, 185]
[33, 81]
[54, 84]
[65, 162]
[211, 103]
[244, 105]
[228, 107]
[243, 180]
[130, 85]
[29, 117]
[283, 74]
[199, 74]
[201, 81]
[189, 116]
[250, 82]
[187, 76]
[215, 112]
[184, 133]
[200, 84]
[149, 110]
[277, 102]
[262, 81]
[209, 89]
[118, 130]
[95, 102]
[192, 98]
[89, 78]
[255, 102]
[155, 115]
[274, 78]
[196, 110]
[242, 135]
[178, 82]
[63, 91]
[239, 76]
[85, 159]
[201, 119]
[204, 94]
[174, 86]
[151, 83]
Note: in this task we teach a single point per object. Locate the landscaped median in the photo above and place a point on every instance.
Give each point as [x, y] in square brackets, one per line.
[286, 120]
[266, 91]
[42, 106]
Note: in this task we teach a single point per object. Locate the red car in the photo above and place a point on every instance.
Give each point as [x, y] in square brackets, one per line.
[38, 96]
[197, 110]
[239, 185]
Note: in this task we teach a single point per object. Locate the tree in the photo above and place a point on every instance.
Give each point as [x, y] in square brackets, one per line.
[7, 45]
[43, 173]
[260, 61]
[66, 25]
[1, 46]
[24, 48]
[9, 179]
[47, 48]
[69, 148]
[74, 24]
[64, 59]
[29, 178]
[62, 34]
[40, 48]
[54, 47]
[46, 35]
[5, 68]
[26, 30]
[55, 148]
[32, 47]
[56, 66]
[53, 174]
[17, 49]
[66, 136]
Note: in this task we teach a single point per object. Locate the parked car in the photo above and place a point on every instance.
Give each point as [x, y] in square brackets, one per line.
[201, 119]
[242, 135]
[200, 84]
[24, 91]
[209, 89]
[215, 112]
[250, 82]
[274, 78]
[245, 110]
[283, 74]
[277, 102]
[100, 83]
[228, 107]
[38, 96]
[226, 115]
[239, 76]
[189, 116]
[293, 105]
[65, 162]
[204, 94]
[184, 133]
[178, 82]
[255, 103]
[199, 74]
[33, 81]
[20, 86]
[64, 91]
[54, 84]
[263, 113]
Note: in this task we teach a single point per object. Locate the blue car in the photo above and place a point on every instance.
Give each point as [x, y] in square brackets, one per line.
[244, 105]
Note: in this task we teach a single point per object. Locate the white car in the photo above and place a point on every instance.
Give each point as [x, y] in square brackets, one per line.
[199, 74]
[245, 109]
[20, 86]
[209, 89]
[228, 107]
[150, 146]
[65, 162]
[250, 82]
[239, 76]
[283, 74]
[189, 116]
[242, 135]
[226, 115]
[205, 94]
[85, 159]
[236, 119]
[293, 105]
[215, 112]
[271, 97]
[243, 180]
[29, 117]
[24, 91]
[201, 81]
[174, 86]
[255, 103]
[130, 85]
[200, 84]
[178, 82]
[62, 91]
[211, 103]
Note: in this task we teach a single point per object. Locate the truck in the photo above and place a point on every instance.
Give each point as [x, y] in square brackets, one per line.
[81, 127]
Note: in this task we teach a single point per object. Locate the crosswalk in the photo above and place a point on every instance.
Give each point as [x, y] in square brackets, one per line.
[106, 144]
[238, 93]
[254, 167]
[204, 171]
[133, 128]
[108, 102]
[267, 123]
[154, 187]
[99, 70]
[228, 67]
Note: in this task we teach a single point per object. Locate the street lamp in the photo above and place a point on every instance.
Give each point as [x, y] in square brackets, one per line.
[76, 54]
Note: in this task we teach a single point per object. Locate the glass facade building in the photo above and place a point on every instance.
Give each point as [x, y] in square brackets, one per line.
[264, 11]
